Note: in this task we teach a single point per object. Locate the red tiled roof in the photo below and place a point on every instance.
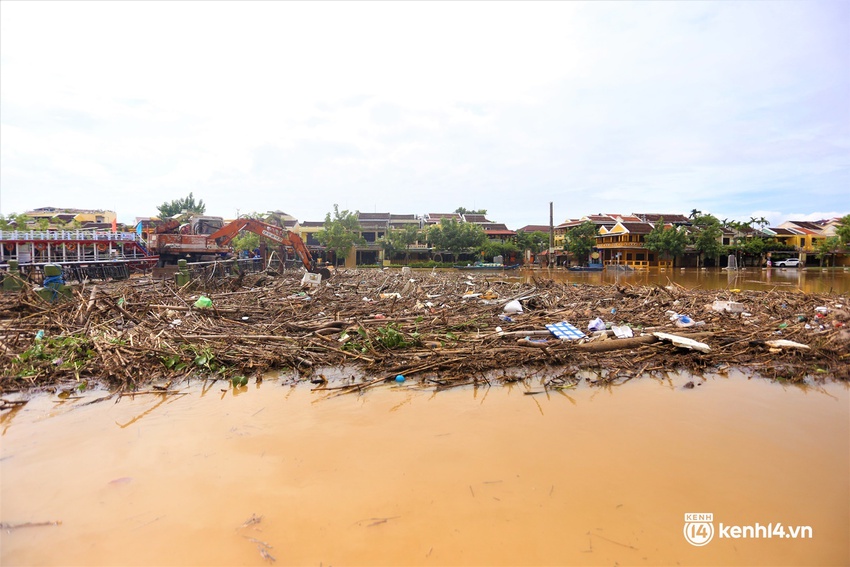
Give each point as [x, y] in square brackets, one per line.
[669, 217]
[534, 228]
[808, 227]
[634, 228]
[784, 232]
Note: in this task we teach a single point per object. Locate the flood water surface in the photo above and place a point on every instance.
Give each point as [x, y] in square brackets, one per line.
[780, 279]
[403, 476]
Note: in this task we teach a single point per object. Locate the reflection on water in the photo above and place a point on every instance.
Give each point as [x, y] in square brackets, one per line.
[809, 281]
[405, 476]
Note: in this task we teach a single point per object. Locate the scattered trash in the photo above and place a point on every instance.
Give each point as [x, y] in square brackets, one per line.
[596, 325]
[727, 306]
[39, 335]
[783, 343]
[420, 335]
[622, 331]
[312, 280]
[390, 296]
[513, 306]
[684, 321]
[683, 342]
[203, 302]
[399, 378]
[565, 331]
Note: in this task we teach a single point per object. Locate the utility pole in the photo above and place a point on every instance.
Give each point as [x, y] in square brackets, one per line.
[551, 228]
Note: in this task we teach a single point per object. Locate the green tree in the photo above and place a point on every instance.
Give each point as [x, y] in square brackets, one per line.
[465, 211]
[706, 237]
[14, 221]
[754, 247]
[492, 248]
[827, 247]
[666, 242]
[843, 230]
[341, 232]
[580, 240]
[536, 241]
[400, 239]
[178, 206]
[247, 240]
[456, 237]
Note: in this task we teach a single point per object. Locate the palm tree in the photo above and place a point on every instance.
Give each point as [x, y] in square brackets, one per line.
[694, 213]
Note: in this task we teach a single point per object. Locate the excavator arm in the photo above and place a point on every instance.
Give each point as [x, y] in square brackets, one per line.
[225, 235]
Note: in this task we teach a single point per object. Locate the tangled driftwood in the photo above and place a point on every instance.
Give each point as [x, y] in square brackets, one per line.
[445, 328]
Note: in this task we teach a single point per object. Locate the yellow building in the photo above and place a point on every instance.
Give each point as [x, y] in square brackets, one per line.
[82, 216]
[623, 244]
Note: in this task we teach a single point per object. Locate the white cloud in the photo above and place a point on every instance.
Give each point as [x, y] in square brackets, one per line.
[422, 107]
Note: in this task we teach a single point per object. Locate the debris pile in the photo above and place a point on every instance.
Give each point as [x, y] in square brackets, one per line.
[438, 328]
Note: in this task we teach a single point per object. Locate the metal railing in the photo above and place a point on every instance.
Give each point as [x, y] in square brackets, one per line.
[69, 235]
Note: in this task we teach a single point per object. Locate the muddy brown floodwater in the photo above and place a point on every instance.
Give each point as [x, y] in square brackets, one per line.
[783, 279]
[406, 476]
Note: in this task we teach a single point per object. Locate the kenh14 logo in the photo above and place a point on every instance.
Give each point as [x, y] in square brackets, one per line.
[699, 530]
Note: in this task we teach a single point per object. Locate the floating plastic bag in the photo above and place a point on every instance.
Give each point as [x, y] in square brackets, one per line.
[203, 302]
[513, 306]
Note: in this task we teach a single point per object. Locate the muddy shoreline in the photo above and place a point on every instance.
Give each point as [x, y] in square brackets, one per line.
[441, 328]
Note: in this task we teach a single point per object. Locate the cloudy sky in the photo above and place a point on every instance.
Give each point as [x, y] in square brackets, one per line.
[736, 108]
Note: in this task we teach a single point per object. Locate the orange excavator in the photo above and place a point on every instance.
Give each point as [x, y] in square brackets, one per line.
[223, 236]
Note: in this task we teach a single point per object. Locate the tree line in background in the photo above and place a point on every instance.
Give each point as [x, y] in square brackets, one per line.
[342, 232]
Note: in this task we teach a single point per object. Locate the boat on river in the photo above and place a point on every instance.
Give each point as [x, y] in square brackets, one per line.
[588, 268]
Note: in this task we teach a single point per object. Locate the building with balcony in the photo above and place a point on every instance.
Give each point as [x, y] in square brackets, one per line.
[87, 218]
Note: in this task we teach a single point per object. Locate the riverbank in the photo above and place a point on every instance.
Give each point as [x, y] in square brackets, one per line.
[439, 328]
